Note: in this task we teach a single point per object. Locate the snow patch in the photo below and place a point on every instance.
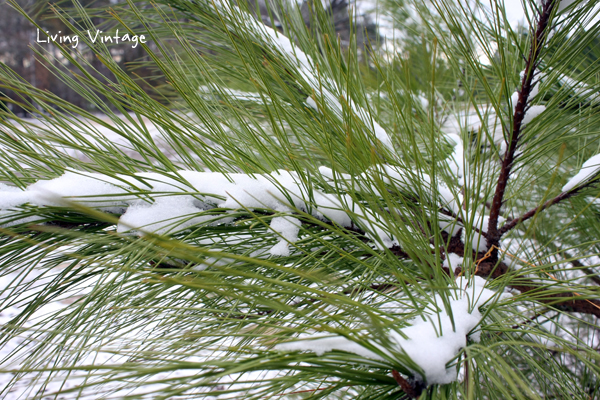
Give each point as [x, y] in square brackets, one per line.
[430, 341]
[449, 224]
[165, 203]
[532, 113]
[589, 168]
[456, 160]
[453, 261]
[287, 228]
[166, 215]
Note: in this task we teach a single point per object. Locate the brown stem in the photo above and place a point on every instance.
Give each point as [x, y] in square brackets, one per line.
[531, 213]
[486, 268]
[537, 42]
[412, 388]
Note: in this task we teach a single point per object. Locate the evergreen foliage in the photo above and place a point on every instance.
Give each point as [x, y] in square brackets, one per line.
[201, 238]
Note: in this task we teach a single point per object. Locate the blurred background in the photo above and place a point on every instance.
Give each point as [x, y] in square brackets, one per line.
[18, 34]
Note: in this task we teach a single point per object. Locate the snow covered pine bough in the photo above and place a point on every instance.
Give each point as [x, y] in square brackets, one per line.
[264, 236]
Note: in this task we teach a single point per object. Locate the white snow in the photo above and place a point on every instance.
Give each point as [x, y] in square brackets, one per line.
[288, 228]
[486, 121]
[456, 160]
[90, 189]
[477, 240]
[449, 224]
[579, 88]
[43, 324]
[312, 103]
[13, 196]
[404, 179]
[431, 342]
[210, 92]
[408, 180]
[325, 344]
[589, 168]
[165, 203]
[165, 215]
[514, 99]
[532, 113]
[450, 200]
[422, 100]
[452, 261]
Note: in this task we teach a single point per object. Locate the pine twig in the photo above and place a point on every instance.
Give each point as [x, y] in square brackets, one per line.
[536, 46]
[488, 268]
[411, 387]
[531, 213]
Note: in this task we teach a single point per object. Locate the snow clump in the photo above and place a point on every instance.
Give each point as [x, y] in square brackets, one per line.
[287, 228]
[589, 168]
[430, 340]
[165, 203]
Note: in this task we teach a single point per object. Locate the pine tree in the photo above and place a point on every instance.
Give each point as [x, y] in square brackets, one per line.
[286, 219]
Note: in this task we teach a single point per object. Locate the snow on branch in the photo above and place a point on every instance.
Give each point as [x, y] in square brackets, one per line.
[431, 341]
[580, 89]
[288, 228]
[167, 203]
[588, 170]
[452, 217]
[456, 160]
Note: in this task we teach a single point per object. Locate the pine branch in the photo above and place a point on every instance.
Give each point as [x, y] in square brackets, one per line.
[487, 268]
[411, 388]
[536, 46]
[534, 211]
[190, 255]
